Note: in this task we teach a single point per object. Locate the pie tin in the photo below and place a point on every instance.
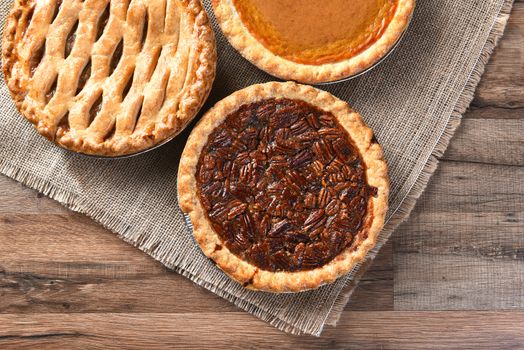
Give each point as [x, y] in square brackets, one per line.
[125, 156]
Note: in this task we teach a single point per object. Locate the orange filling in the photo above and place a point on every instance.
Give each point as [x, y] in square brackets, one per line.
[314, 31]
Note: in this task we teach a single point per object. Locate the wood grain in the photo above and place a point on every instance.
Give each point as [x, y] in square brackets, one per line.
[502, 84]
[492, 141]
[463, 247]
[66, 282]
[362, 330]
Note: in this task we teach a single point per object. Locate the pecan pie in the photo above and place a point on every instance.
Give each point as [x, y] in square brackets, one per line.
[313, 41]
[285, 186]
[109, 77]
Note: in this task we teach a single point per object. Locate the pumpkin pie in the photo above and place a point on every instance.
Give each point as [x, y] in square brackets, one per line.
[313, 41]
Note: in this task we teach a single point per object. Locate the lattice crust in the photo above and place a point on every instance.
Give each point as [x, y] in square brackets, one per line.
[109, 77]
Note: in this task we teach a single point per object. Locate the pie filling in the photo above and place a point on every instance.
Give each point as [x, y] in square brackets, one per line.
[316, 32]
[283, 185]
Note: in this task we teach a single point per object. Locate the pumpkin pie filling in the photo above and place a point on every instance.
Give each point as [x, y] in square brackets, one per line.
[283, 185]
[316, 32]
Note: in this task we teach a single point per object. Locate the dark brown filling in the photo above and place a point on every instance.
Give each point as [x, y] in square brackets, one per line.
[283, 185]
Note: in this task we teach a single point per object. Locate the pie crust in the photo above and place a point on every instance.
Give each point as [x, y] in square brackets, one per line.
[243, 271]
[109, 77]
[241, 36]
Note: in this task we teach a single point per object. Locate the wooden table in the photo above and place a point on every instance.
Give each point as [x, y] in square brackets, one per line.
[452, 276]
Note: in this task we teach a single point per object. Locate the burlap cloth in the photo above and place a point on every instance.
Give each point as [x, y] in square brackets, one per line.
[413, 101]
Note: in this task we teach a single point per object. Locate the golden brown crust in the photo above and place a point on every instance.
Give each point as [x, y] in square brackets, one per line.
[240, 38]
[147, 94]
[243, 272]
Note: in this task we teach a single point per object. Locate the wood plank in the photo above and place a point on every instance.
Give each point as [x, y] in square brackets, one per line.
[15, 198]
[462, 187]
[357, 330]
[494, 141]
[503, 81]
[61, 238]
[459, 281]
[26, 292]
[492, 235]
[493, 112]
[463, 246]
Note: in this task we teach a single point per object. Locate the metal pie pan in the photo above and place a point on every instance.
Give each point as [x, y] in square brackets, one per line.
[100, 157]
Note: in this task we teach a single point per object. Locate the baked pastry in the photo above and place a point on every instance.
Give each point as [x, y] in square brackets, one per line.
[285, 186]
[313, 41]
[109, 77]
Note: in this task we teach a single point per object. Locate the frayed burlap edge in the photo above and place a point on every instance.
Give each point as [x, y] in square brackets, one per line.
[402, 213]
[159, 251]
